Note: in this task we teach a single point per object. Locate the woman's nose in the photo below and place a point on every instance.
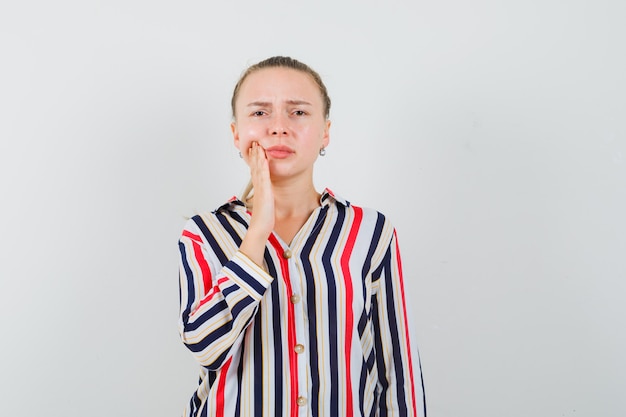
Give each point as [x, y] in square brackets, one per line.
[279, 126]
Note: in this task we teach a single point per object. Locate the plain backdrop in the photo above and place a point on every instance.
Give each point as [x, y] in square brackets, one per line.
[492, 134]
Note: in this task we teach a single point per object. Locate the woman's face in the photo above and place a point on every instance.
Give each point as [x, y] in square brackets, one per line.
[282, 110]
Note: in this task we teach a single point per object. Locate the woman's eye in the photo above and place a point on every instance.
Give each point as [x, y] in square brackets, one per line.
[258, 113]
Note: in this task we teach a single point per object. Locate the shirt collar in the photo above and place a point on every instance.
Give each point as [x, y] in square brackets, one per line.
[327, 197]
[233, 204]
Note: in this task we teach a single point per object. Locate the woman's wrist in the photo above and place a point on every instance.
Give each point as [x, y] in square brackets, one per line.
[253, 245]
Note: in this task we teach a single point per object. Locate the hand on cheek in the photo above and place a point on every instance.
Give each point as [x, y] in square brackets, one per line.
[258, 163]
[263, 208]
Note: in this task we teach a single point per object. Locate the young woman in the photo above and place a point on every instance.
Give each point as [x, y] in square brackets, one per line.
[292, 301]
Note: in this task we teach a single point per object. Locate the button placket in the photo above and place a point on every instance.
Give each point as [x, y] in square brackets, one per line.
[296, 299]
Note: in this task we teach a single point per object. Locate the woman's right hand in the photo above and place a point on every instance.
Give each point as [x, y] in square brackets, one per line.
[262, 221]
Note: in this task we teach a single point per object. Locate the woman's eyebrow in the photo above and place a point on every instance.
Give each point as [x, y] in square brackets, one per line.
[298, 102]
[259, 104]
[269, 104]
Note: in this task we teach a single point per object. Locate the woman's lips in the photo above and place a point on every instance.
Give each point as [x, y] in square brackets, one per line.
[279, 152]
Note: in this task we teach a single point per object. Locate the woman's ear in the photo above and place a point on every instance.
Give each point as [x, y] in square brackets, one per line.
[233, 129]
[326, 137]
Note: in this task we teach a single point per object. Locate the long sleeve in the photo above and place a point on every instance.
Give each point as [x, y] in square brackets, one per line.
[397, 359]
[220, 289]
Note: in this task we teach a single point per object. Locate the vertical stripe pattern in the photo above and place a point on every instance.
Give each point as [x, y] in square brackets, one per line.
[320, 329]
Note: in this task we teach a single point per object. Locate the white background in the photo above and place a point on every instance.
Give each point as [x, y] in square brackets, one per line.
[492, 133]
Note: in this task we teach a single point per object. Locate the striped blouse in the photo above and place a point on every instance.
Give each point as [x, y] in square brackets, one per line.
[319, 330]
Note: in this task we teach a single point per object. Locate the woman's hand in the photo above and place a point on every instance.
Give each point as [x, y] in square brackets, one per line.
[262, 221]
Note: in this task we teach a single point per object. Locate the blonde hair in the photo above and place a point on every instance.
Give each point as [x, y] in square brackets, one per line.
[277, 62]
[283, 62]
[247, 194]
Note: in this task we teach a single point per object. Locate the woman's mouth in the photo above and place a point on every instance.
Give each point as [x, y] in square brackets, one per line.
[279, 152]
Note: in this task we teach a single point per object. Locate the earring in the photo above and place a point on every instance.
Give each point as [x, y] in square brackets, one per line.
[240, 155]
[322, 152]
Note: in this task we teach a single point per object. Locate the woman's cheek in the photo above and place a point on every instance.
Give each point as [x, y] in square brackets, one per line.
[251, 135]
[245, 143]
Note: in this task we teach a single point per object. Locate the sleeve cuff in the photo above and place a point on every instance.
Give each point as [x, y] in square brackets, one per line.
[248, 275]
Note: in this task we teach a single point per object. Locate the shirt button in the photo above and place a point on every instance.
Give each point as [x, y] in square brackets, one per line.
[298, 348]
[295, 298]
[287, 254]
[301, 401]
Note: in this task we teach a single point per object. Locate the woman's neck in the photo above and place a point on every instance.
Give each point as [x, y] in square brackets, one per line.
[295, 200]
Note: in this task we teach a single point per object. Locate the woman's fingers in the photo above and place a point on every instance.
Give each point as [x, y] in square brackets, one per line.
[263, 212]
[259, 167]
